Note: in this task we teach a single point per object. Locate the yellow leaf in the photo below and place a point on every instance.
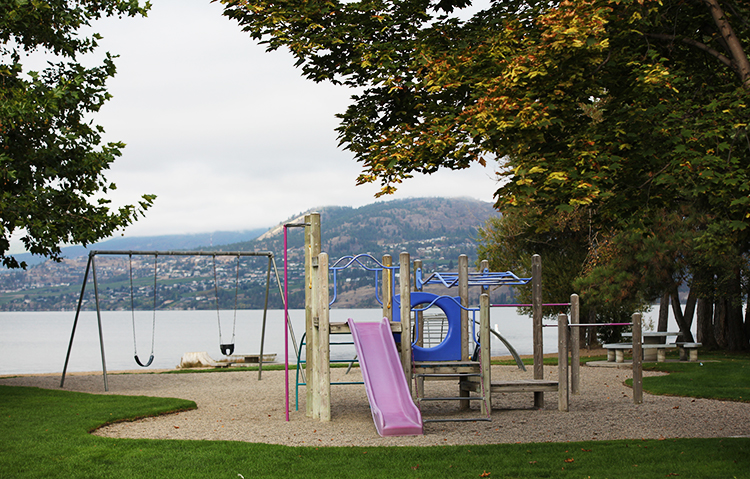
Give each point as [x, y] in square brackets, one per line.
[558, 176]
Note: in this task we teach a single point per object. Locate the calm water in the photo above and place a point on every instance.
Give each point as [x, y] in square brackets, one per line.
[36, 342]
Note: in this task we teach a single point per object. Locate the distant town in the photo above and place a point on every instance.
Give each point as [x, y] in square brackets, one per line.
[188, 282]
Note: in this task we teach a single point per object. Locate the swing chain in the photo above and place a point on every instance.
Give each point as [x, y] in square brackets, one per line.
[236, 294]
[228, 348]
[132, 313]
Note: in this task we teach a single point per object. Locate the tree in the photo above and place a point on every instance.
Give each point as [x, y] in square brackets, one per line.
[51, 156]
[622, 110]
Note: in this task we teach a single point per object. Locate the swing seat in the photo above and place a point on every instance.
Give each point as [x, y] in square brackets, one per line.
[227, 349]
[150, 360]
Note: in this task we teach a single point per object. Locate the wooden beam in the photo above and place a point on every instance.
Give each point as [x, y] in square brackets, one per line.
[404, 283]
[538, 338]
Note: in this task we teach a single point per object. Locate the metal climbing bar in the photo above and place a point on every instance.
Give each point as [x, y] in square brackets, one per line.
[484, 278]
[361, 259]
[301, 366]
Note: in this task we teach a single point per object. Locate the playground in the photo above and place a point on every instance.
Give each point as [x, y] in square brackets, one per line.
[390, 386]
[236, 406]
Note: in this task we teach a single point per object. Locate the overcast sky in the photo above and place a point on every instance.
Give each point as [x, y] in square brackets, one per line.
[230, 137]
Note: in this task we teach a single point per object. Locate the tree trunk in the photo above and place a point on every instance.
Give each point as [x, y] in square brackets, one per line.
[736, 338]
[683, 321]
[705, 330]
[720, 322]
[663, 313]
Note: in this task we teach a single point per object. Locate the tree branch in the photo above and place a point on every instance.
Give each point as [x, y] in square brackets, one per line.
[702, 46]
[733, 43]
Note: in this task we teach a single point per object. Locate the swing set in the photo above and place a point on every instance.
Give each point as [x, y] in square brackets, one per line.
[227, 348]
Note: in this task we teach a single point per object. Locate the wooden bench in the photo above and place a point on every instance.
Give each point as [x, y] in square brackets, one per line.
[689, 351]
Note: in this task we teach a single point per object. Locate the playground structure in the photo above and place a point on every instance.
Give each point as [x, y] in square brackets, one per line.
[390, 365]
[386, 384]
[227, 348]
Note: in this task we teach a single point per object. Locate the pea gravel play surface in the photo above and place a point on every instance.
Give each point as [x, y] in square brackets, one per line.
[236, 406]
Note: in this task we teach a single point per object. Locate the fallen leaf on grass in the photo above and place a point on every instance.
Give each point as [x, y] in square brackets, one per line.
[569, 460]
[485, 474]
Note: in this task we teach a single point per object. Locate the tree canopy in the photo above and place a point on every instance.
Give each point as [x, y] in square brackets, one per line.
[52, 158]
[548, 85]
[632, 114]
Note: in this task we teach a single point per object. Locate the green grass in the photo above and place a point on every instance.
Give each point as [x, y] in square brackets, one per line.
[715, 376]
[45, 434]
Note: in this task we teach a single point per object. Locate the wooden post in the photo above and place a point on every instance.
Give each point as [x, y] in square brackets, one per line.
[419, 319]
[313, 342]
[324, 349]
[463, 294]
[312, 249]
[387, 288]
[562, 362]
[404, 282]
[485, 352]
[575, 345]
[536, 302]
[637, 358]
[418, 316]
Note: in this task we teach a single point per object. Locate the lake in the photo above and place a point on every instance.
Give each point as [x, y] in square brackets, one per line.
[36, 342]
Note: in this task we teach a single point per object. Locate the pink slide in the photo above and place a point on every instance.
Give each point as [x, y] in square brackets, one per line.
[393, 409]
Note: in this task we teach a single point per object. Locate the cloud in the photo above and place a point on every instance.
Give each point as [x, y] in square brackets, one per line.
[227, 135]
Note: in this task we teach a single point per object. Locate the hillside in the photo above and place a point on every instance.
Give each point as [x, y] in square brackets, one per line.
[435, 230]
[428, 228]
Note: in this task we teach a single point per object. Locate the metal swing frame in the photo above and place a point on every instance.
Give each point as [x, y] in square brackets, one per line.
[91, 266]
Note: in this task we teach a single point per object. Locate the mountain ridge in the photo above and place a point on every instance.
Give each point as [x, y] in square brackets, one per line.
[434, 230]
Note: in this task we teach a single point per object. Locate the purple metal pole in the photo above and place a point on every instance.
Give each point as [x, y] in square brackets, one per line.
[594, 325]
[286, 331]
[526, 305]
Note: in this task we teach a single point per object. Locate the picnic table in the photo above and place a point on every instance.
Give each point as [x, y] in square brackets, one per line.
[655, 344]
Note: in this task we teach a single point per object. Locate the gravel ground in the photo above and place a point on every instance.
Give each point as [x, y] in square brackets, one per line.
[236, 406]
